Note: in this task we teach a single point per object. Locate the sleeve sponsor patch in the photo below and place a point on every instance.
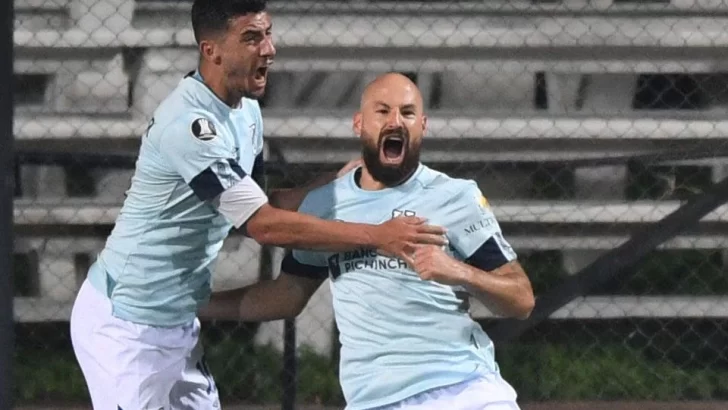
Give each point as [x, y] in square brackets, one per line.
[483, 202]
[203, 129]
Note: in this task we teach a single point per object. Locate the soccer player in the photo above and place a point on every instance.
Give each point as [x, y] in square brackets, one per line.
[407, 339]
[134, 328]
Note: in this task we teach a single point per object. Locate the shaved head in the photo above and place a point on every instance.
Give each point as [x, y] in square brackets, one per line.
[391, 123]
[389, 82]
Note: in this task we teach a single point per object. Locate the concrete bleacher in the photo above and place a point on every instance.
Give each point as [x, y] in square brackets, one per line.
[94, 70]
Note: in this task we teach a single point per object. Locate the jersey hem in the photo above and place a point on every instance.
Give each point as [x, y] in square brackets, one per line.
[97, 278]
[118, 311]
[420, 389]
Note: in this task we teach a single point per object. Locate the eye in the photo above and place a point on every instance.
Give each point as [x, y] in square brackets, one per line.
[381, 111]
[252, 37]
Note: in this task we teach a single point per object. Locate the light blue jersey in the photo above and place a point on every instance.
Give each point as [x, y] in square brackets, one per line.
[156, 265]
[402, 335]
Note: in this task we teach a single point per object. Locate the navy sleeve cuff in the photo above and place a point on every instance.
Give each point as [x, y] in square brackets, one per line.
[207, 184]
[488, 257]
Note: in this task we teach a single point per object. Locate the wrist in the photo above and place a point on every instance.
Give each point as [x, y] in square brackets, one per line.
[467, 275]
[371, 236]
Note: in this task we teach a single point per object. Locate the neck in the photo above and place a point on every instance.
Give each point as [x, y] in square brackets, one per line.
[216, 83]
[367, 181]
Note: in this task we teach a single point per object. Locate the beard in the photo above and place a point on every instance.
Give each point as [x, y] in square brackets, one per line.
[391, 174]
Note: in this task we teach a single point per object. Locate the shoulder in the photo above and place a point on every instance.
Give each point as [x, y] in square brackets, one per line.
[318, 202]
[323, 200]
[188, 125]
[189, 101]
[455, 190]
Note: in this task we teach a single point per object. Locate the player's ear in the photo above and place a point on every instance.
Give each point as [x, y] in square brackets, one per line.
[208, 51]
[424, 124]
[357, 124]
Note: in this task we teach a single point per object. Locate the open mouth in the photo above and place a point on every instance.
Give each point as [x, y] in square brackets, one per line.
[260, 73]
[393, 148]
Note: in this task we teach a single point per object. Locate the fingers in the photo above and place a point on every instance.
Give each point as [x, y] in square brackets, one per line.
[425, 229]
[410, 220]
[432, 229]
[409, 260]
[431, 239]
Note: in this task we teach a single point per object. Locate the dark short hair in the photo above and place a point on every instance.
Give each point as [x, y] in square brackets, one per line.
[212, 16]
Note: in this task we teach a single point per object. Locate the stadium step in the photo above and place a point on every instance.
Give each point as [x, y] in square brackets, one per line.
[541, 241]
[620, 307]
[309, 124]
[440, 6]
[78, 83]
[81, 211]
[137, 25]
[111, 16]
[463, 137]
[327, 78]
[41, 309]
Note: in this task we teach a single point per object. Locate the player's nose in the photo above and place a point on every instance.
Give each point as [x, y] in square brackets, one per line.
[394, 119]
[267, 49]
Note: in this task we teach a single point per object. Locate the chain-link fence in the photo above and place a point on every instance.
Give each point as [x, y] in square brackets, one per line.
[582, 121]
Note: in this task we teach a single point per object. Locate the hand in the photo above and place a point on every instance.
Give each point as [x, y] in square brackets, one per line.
[400, 237]
[349, 166]
[432, 263]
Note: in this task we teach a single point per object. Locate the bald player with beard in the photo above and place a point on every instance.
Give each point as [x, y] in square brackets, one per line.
[407, 339]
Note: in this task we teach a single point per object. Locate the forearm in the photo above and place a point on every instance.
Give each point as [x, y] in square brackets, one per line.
[508, 291]
[276, 227]
[260, 302]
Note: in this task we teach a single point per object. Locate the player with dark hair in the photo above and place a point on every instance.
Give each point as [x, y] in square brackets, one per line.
[134, 326]
[407, 341]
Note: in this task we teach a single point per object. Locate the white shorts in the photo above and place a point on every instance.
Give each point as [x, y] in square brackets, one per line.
[485, 393]
[128, 366]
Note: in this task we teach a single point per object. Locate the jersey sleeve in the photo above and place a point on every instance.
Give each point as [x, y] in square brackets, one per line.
[475, 233]
[193, 148]
[258, 172]
[310, 264]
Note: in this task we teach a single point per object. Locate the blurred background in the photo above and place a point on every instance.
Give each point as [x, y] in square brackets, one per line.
[585, 123]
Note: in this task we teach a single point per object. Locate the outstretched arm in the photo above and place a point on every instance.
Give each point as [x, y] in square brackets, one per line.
[396, 237]
[281, 298]
[245, 204]
[191, 147]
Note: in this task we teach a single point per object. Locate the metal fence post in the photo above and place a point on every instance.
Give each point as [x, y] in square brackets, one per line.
[6, 208]
[289, 365]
